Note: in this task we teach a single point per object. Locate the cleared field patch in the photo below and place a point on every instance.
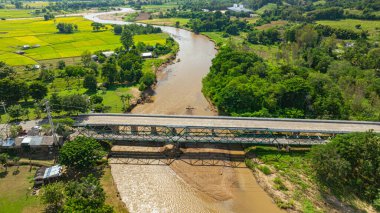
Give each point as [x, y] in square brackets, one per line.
[373, 27]
[52, 45]
[15, 13]
[272, 24]
[36, 4]
[166, 21]
[157, 8]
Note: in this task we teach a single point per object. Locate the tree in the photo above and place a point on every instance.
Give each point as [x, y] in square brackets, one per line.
[55, 102]
[96, 99]
[75, 103]
[126, 39]
[90, 83]
[53, 195]
[6, 71]
[4, 160]
[48, 16]
[18, 4]
[232, 30]
[97, 26]
[16, 161]
[16, 111]
[66, 28]
[127, 97]
[86, 195]
[81, 154]
[148, 79]
[86, 58]
[37, 110]
[109, 71]
[61, 64]
[350, 162]
[117, 29]
[46, 75]
[15, 131]
[12, 90]
[38, 91]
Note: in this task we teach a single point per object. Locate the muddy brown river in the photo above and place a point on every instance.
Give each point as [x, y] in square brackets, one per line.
[183, 188]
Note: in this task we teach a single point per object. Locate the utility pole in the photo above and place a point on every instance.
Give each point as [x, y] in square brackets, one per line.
[6, 125]
[51, 122]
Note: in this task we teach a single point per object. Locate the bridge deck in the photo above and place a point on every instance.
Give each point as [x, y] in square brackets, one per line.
[292, 125]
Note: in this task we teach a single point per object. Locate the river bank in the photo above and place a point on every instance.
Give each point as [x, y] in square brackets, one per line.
[205, 188]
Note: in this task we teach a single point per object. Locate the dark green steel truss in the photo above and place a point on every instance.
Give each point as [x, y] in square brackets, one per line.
[178, 134]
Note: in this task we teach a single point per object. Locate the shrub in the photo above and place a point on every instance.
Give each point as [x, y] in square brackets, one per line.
[279, 185]
[266, 170]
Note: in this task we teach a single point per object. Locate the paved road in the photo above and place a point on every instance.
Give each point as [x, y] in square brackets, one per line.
[198, 121]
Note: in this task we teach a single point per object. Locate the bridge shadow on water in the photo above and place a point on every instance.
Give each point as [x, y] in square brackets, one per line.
[206, 154]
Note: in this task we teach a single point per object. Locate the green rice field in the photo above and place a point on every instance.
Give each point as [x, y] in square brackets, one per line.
[16, 33]
[13, 13]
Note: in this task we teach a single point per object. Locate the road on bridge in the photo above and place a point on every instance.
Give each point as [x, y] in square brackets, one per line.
[278, 125]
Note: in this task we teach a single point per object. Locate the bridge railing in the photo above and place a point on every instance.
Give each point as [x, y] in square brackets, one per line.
[175, 134]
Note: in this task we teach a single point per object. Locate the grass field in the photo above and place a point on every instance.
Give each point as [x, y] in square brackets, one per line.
[270, 6]
[16, 33]
[373, 27]
[158, 8]
[166, 21]
[13, 13]
[272, 24]
[19, 198]
[265, 51]
[36, 4]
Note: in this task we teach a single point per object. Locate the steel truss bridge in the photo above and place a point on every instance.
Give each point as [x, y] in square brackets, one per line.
[218, 129]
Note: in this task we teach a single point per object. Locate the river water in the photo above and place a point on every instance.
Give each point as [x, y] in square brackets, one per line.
[158, 188]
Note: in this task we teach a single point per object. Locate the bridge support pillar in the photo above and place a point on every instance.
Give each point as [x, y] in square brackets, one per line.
[134, 130]
[153, 130]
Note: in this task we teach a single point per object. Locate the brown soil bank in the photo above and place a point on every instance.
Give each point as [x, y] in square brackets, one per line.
[219, 171]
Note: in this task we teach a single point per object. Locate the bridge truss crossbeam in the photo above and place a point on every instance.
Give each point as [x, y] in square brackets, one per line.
[188, 134]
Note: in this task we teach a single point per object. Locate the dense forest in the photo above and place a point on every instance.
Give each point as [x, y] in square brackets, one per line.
[241, 83]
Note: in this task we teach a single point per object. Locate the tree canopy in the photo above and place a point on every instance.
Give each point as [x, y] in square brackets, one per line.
[80, 154]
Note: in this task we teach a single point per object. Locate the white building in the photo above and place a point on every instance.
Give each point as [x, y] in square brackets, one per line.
[239, 8]
[147, 55]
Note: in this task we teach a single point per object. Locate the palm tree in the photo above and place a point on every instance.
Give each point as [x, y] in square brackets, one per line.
[127, 97]
[123, 99]
[16, 160]
[4, 160]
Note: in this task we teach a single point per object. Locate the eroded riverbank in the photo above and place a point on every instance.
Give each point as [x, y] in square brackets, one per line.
[182, 187]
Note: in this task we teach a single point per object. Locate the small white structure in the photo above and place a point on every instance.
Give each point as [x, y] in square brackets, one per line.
[94, 57]
[108, 54]
[25, 47]
[239, 8]
[37, 67]
[147, 55]
[205, 10]
[349, 44]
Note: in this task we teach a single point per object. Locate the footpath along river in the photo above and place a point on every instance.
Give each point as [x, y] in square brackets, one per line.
[181, 187]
